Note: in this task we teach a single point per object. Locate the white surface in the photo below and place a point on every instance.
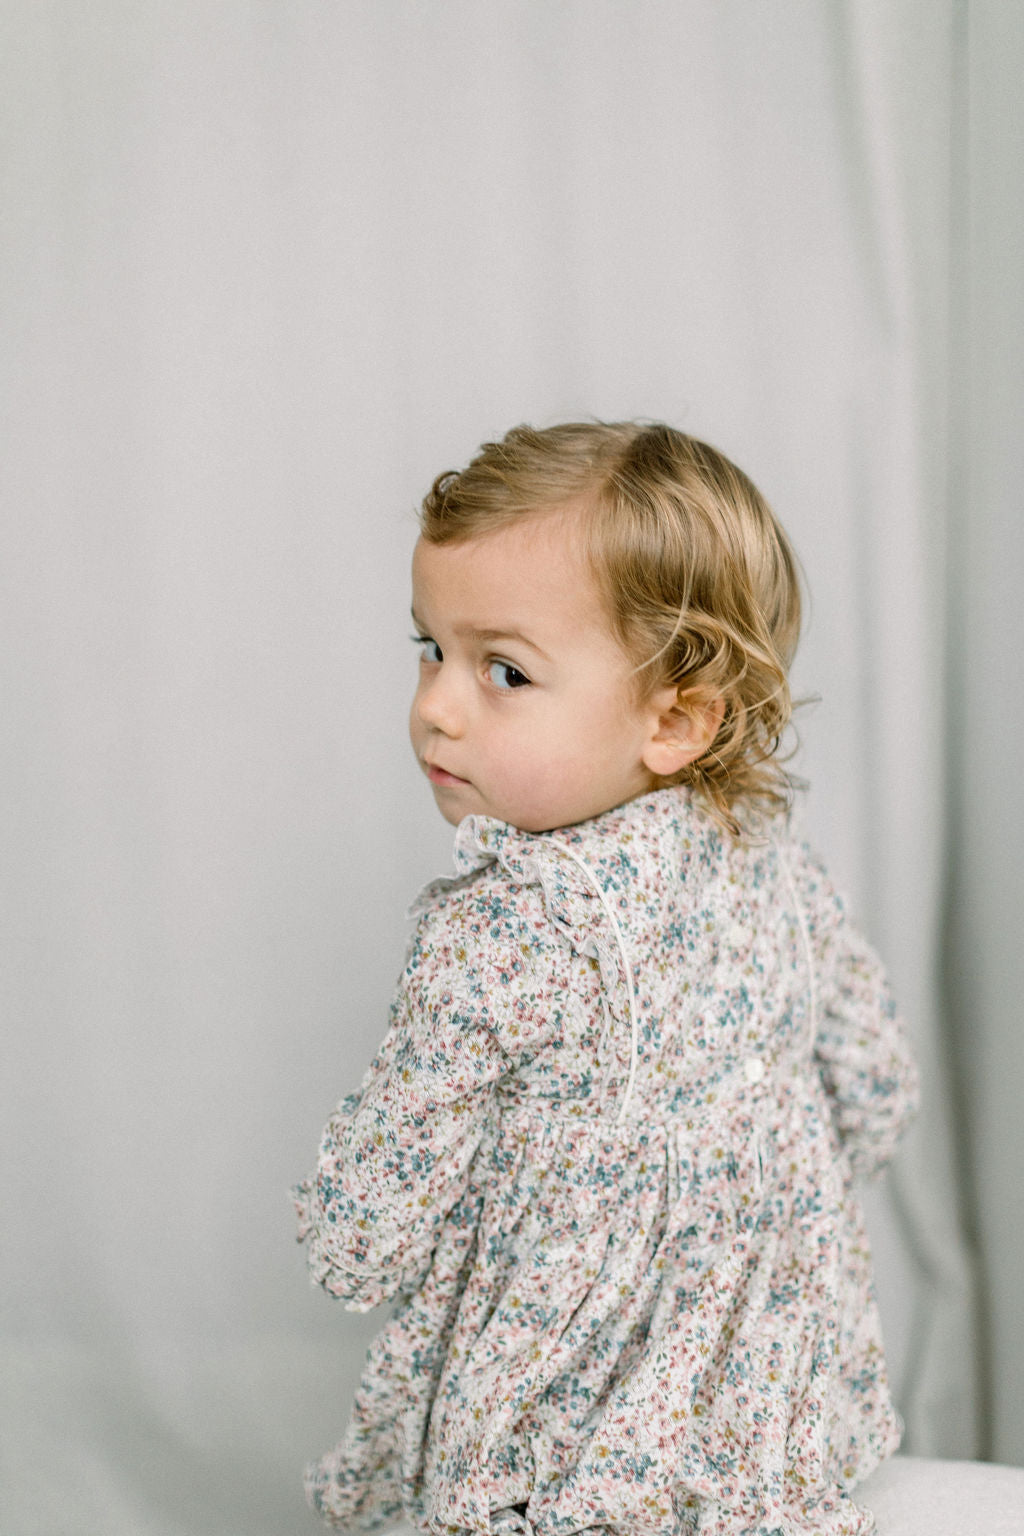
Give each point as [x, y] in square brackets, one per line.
[911, 1496]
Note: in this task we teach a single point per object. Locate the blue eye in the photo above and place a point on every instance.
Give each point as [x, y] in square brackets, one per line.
[504, 676]
[429, 649]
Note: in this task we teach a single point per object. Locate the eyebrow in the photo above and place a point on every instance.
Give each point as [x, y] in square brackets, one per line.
[503, 633]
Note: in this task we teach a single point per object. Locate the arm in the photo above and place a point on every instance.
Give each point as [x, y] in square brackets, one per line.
[395, 1157]
[862, 1046]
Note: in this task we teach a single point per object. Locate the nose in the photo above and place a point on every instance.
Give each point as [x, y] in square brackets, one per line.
[437, 704]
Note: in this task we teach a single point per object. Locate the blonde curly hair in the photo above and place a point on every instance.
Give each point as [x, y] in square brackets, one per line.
[699, 578]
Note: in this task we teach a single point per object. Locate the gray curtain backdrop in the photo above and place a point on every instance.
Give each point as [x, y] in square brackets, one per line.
[267, 268]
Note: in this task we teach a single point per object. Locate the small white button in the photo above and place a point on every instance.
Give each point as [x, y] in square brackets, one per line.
[753, 1069]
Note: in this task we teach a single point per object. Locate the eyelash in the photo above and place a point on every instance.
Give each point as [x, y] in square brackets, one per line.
[424, 640]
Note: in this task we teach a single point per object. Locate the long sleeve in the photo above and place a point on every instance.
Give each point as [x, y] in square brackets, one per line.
[862, 1044]
[395, 1156]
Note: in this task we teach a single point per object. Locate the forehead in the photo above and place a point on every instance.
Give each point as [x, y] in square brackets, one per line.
[531, 576]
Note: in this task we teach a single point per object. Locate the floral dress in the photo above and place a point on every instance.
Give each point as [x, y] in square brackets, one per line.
[602, 1165]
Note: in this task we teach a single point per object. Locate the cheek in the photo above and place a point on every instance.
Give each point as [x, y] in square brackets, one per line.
[415, 723]
[546, 755]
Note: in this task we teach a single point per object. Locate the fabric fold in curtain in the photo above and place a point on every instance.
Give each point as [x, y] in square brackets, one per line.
[902, 463]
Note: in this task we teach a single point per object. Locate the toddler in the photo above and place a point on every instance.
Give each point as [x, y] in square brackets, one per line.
[602, 1164]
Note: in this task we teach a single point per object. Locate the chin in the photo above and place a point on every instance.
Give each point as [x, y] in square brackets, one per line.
[451, 816]
[449, 807]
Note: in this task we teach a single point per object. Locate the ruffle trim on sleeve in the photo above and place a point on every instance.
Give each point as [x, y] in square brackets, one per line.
[359, 1293]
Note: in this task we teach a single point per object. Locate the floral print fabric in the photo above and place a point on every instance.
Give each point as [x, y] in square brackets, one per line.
[602, 1166]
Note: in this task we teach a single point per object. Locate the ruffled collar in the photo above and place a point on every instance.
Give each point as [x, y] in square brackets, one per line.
[482, 840]
[583, 872]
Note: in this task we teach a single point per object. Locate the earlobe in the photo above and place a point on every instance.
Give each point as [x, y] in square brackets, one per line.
[683, 732]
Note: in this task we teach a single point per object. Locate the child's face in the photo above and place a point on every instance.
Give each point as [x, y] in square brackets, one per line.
[525, 708]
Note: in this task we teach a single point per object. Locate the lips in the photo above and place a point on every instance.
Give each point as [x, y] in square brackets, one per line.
[441, 776]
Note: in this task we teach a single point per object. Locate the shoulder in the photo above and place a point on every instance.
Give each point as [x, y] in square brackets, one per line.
[476, 913]
[483, 928]
[812, 881]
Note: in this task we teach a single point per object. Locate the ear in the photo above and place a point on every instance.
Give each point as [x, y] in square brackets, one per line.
[683, 727]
